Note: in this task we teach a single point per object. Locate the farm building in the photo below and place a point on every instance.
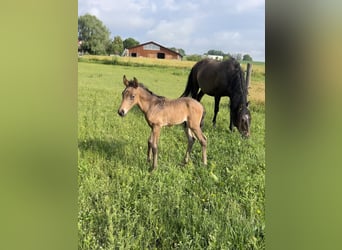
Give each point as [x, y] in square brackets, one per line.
[152, 50]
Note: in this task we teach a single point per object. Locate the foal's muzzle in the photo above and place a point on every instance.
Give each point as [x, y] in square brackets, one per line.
[121, 112]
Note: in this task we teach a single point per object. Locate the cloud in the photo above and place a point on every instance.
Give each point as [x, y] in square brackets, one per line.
[170, 5]
[172, 33]
[180, 5]
[249, 5]
[193, 25]
[154, 7]
[227, 36]
[225, 41]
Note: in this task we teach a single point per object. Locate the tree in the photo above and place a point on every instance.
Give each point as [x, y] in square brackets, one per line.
[130, 42]
[237, 56]
[116, 46]
[194, 58]
[180, 51]
[215, 52]
[93, 34]
[228, 55]
[247, 57]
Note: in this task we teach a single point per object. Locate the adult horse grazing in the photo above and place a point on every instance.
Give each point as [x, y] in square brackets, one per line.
[160, 111]
[219, 79]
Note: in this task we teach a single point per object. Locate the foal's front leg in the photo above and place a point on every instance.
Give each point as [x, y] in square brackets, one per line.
[154, 145]
[149, 147]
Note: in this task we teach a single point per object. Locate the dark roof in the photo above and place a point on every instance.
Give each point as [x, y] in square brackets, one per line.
[142, 44]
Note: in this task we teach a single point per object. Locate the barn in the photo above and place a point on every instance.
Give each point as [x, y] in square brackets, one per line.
[152, 50]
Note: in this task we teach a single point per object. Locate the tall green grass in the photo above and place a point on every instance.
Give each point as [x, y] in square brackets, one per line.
[123, 206]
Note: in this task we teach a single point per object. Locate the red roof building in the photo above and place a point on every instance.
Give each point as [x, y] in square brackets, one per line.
[152, 50]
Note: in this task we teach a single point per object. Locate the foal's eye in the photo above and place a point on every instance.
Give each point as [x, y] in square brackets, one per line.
[132, 97]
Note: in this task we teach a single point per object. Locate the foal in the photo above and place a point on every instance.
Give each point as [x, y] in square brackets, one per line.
[160, 111]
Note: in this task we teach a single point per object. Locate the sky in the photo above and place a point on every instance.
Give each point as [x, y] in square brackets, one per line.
[195, 26]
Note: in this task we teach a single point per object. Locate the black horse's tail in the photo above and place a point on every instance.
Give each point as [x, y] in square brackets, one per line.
[191, 87]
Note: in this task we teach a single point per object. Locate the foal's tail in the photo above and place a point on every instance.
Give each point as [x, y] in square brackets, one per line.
[191, 87]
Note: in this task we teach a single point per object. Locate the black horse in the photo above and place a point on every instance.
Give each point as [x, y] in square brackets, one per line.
[219, 79]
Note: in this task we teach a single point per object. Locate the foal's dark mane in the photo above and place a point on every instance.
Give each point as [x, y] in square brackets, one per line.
[132, 84]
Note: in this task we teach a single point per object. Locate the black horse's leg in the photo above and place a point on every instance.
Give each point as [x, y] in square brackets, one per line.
[216, 110]
[231, 126]
[199, 95]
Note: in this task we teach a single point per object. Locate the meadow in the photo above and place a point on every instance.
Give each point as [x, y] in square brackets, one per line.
[123, 206]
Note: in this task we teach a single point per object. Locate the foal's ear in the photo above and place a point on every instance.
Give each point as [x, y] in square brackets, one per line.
[135, 82]
[125, 81]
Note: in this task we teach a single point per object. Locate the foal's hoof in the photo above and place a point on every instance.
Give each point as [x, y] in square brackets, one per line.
[152, 169]
[186, 161]
[183, 164]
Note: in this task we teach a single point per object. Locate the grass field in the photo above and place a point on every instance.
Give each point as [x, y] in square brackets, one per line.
[123, 206]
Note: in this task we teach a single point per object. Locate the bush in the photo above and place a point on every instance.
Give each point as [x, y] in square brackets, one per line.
[195, 58]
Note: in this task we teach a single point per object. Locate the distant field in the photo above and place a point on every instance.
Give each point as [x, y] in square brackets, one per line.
[122, 206]
[143, 61]
[259, 66]
[257, 86]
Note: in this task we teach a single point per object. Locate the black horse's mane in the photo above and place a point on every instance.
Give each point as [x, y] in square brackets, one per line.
[242, 83]
[239, 86]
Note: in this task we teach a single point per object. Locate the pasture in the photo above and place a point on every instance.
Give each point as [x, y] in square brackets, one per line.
[123, 206]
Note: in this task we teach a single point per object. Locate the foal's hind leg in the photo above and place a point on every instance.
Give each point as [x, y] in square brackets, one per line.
[216, 109]
[203, 141]
[191, 140]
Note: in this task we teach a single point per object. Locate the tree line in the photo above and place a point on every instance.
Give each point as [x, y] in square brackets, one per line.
[237, 56]
[94, 38]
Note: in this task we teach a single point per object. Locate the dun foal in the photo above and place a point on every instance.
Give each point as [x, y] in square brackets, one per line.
[160, 111]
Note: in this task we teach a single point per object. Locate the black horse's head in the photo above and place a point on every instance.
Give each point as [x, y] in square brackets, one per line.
[242, 120]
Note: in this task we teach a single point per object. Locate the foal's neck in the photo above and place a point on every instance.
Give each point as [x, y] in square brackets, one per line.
[146, 100]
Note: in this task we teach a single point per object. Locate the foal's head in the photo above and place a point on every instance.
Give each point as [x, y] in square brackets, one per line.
[129, 95]
[243, 120]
